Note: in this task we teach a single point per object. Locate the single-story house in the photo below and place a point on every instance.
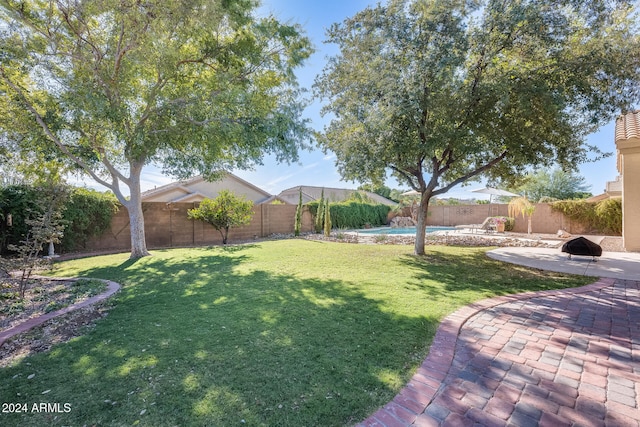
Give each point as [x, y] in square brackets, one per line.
[311, 193]
[197, 188]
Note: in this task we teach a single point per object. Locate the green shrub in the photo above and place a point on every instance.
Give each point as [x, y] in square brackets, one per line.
[511, 222]
[609, 216]
[227, 210]
[88, 214]
[351, 214]
[508, 222]
[604, 216]
[19, 201]
[356, 215]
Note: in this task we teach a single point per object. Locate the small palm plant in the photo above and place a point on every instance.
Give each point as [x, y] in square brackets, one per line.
[522, 206]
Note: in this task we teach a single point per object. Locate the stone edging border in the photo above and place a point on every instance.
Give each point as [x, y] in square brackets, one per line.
[112, 288]
[423, 386]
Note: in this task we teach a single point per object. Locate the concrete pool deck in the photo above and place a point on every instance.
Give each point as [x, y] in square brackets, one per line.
[547, 240]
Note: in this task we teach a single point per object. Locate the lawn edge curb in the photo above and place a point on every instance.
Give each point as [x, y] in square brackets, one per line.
[418, 393]
[112, 288]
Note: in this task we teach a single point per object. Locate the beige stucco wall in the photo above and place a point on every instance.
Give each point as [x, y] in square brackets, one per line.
[629, 167]
[212, 189]
[200, 188]
[167, 196]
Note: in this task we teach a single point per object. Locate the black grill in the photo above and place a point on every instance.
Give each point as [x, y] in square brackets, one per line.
[582, 246]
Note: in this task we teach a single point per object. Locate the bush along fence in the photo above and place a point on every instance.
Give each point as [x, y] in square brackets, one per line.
[167, 225]
[92, 221]
[547, 218]
[353, 214]
[86, 214]
[604, 216]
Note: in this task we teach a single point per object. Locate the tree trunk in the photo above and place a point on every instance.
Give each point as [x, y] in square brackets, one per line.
[422, 224]
[136, 217]
[136, 221]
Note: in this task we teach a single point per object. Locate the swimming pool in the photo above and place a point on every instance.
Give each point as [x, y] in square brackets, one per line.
[402, 230]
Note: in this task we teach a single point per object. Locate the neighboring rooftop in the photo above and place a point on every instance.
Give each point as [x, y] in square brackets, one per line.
[197, 188]
[311, 193]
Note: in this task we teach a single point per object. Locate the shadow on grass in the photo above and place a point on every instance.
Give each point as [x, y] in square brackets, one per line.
[446, 270]
[192, 341]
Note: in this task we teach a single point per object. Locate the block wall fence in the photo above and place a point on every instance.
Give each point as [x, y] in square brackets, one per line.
[167, 225]
[544, 219]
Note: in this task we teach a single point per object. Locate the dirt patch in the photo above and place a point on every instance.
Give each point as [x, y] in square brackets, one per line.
[44, 296]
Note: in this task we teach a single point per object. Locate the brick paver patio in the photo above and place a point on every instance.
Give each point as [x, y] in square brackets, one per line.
[553, 358]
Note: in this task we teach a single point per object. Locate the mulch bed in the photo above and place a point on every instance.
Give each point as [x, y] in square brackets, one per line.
[44, 295]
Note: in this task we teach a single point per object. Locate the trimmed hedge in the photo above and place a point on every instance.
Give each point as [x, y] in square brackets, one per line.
[354, 214]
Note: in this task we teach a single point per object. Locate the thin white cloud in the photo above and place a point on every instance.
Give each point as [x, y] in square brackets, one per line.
[153, 178]
[278, 180]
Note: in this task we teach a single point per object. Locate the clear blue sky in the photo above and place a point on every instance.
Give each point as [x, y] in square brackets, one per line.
[316, 168]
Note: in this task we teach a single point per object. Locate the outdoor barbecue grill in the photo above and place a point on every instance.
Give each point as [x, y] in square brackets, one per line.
[583, 247]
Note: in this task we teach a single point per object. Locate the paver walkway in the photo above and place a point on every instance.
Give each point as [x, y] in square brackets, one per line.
[554, 358]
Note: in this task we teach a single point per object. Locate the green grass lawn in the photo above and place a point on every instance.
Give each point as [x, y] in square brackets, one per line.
[278, 333]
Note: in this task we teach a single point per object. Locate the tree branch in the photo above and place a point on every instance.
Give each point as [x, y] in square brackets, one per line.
[471, 174]
[50, 134]
[406, 176]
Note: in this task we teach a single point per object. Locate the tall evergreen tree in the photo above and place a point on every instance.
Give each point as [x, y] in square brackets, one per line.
[320, 213]
[298, 222]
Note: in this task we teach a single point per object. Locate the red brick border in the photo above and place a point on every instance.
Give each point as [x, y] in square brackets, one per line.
[413, 399]
[112, 288]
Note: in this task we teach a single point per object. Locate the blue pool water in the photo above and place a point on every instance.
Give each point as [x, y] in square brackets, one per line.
[402, 230]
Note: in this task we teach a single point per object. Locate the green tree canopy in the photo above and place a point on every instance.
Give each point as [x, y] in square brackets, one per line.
[555, 184]
[440, 92]
[195, 86]
[227, 210]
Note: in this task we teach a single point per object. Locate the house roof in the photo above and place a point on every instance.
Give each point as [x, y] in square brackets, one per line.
[628, 126]
[311, 193]
[197, 188]
[627, 134]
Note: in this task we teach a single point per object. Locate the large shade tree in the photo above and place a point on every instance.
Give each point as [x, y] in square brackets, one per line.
[440, 92]
[195, 86]
[554, 184]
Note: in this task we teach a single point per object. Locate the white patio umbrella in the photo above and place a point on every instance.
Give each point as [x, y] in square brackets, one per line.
[410, 193]
[494, 192]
